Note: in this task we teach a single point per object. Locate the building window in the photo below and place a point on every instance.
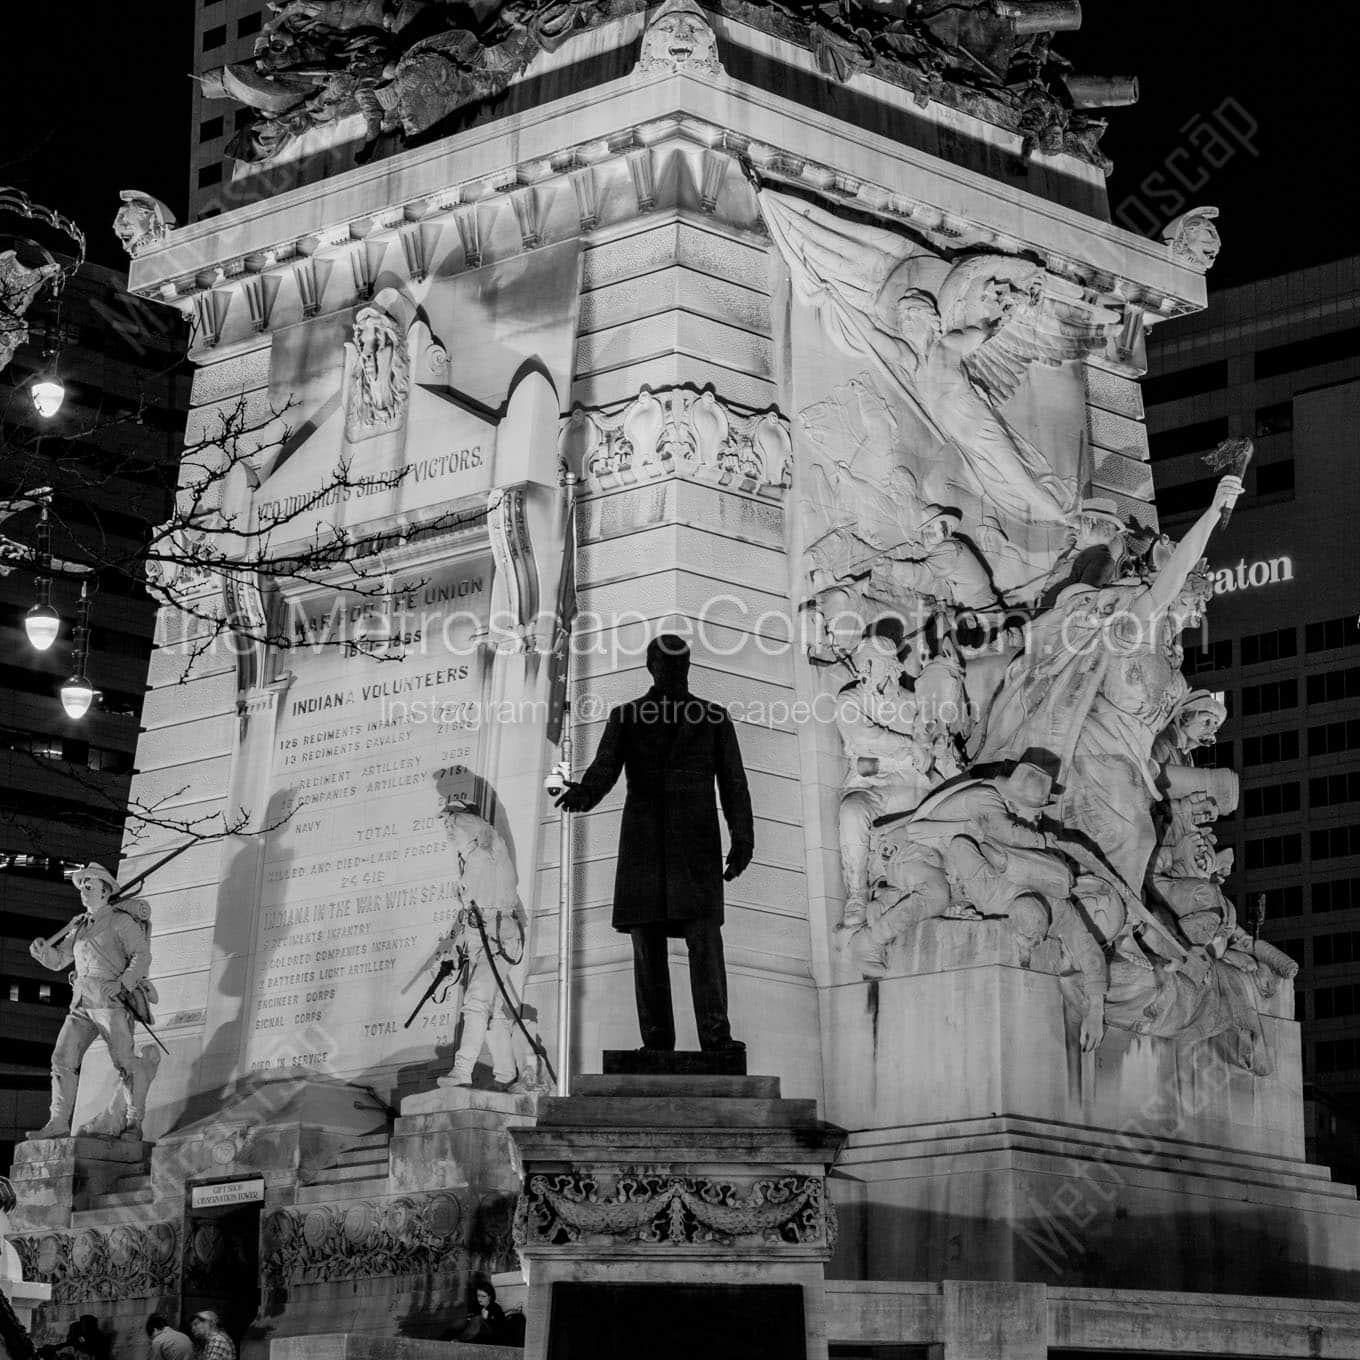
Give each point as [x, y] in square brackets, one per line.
[1185, 382]
[1333, 790]
[1272, 646]
[1269, 852]
[1270, 748]
[248, 26]
[1282, 902]
[1218, 757]
[214, 37]
[1271, 697]
[1276, 419]
[1214, 656]
[211, 128]
[1332, 1003]
[1331, 687]
[1310, 353]
[1337, 1055]
[1330, 739]
[1337, 894]
[1343, 947]
[1331, 633]
[1272, 800]
[1334, 842]
[1196, 438]
[209, 174]
[1275, 478]
[1190, 498]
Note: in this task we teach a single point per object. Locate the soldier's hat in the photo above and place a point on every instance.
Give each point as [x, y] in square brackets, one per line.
[1029, 784]
[94, 872]
[1101, 507]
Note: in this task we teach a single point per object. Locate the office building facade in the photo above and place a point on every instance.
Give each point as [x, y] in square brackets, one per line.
[1279, 361]
[109, 454]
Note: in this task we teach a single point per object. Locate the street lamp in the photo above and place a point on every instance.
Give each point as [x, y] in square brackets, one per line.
[77, 694]
[48, 391]
[42, 623]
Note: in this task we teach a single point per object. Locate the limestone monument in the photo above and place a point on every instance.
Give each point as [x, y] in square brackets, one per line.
[802, 333]
[672, 747]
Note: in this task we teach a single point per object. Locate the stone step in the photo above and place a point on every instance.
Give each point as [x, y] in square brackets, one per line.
[358, 1171]
[322, 1192]
[369, 1140]
[663, 1111]
[366, 1156]
[101, 1204]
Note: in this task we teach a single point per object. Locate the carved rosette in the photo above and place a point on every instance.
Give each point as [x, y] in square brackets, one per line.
[413, 1235]
[129, 1261]
[678, 432]
[658, 1209]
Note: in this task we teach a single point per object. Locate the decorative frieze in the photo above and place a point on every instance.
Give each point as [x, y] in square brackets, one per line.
[130, 1261]
[660, 1209]
[413, 1235]
[678, 432]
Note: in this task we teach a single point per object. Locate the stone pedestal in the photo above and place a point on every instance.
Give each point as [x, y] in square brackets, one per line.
[640, 1188]
[55, 1177]
[984, 1142]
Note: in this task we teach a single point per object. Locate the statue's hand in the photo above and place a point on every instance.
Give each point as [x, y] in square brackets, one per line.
[738, 857]
[1093, 1025]
[573, 798]
[44, 954]
[1226, 493]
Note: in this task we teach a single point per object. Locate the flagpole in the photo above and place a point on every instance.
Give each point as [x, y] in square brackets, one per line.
[564, 922]
[564, 932]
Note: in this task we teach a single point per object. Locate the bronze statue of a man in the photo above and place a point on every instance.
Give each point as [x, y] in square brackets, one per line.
[669, 884]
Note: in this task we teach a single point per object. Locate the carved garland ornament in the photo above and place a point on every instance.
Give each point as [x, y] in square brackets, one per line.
[678, 431]
[413, 1235]
[129, 1261]
[665, 1210]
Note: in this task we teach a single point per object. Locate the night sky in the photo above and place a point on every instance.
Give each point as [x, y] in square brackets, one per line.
[102, 104]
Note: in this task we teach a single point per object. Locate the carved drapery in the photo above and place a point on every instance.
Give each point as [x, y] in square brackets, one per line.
[666, 1210]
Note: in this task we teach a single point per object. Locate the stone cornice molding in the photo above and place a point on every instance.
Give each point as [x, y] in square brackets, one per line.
[620, 128]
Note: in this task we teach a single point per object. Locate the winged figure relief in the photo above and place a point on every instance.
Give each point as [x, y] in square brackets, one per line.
[954, 339]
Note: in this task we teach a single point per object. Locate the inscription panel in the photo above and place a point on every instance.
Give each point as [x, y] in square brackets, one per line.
[358, 882]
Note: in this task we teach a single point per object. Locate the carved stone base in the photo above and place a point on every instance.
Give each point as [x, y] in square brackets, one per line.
[986, 1145]
[644, 1188]
[657, 1062]
[54, 1177]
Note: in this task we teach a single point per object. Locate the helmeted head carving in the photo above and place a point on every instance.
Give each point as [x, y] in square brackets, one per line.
[1193, 238]
[382, 379]
[679, 38]
[983, 290]
[141, 222]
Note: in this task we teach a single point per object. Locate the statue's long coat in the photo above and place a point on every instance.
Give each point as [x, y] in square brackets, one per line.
[670, 851]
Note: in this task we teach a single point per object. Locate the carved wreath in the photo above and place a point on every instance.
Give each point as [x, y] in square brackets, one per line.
[131, 1261]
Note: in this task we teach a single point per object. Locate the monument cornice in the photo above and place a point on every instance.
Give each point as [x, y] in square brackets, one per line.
[610, 125]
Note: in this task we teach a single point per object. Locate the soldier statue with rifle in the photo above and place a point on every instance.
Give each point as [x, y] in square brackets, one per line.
[109, 948]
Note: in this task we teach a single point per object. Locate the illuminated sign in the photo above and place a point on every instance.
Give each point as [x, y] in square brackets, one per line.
[1251, 575]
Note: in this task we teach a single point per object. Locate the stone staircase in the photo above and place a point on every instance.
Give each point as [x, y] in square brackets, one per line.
[127, 1192]
[360, 1169]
